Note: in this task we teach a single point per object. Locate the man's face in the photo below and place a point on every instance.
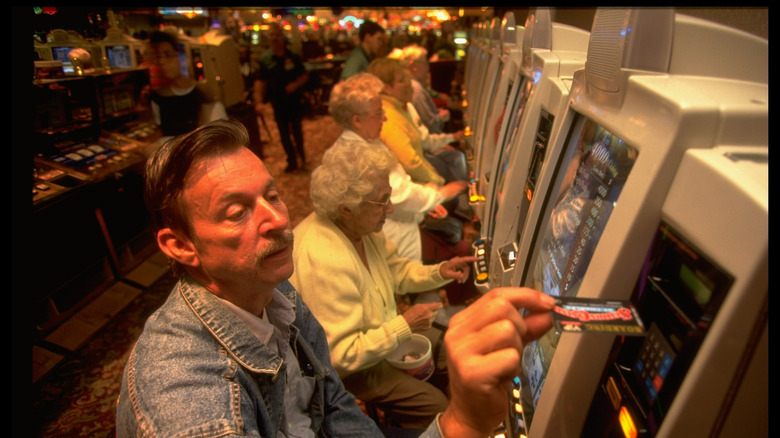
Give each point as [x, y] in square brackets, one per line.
[240, 227]
[167, 59]
[375, 43]
[276, 37]
[243, 53]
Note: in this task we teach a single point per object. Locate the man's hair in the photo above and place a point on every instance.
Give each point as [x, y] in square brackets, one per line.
[169, 165]
[161, 36]
[386, 69]
[352, 96]
[347, 176]
[367, 28]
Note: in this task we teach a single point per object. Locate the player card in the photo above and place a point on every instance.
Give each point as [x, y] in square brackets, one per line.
[617, 317]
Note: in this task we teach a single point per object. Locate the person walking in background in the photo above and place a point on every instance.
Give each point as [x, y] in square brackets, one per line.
[373, 42]
[280, 81]
[179, 103]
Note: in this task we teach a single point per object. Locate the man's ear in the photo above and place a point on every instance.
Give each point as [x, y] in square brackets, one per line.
[177, 248]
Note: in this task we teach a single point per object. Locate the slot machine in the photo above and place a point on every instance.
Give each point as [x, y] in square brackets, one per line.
[655, 84]
[221, 67]
[475, 61]
[550, 53]
[702, 293]
[508, 65]
[121, 50]
[485, 72]
[487, 91]
[61, 42]
[90, 225]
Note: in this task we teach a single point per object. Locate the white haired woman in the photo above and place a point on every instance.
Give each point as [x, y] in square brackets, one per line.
[348, 273]
[415, 59]
[355, 104]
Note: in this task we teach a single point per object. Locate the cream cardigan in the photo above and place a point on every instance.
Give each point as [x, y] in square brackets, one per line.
[356, 306]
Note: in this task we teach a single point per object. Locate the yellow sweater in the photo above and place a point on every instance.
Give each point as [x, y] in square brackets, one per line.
[406, 135]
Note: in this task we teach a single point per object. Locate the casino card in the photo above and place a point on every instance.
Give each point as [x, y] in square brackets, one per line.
[618, 317]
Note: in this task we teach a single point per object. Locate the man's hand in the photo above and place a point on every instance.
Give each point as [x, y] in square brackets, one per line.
[484, 344]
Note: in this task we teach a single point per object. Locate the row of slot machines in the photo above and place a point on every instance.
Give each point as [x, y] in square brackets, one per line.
[629, 162]
[212, 57]
[91, 135]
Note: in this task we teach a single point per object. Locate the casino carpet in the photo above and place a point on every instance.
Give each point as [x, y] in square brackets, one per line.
[77, 398]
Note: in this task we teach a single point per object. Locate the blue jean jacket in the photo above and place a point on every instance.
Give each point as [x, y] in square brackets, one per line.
[197, 371]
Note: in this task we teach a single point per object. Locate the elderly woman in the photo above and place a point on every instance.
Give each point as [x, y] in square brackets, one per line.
[426, 157]
[415, 60]
[348, 273]
[355, 104]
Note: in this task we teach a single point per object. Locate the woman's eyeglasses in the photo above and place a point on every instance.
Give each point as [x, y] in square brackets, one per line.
[381, 204]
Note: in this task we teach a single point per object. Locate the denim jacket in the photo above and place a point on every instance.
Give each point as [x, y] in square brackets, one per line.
[197, 371]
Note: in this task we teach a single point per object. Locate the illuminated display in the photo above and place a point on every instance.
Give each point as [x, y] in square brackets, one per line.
[119, 56]
[589, 180]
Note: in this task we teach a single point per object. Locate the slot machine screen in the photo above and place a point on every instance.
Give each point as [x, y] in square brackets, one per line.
[588, 182]
[60, 53]
[119, 56]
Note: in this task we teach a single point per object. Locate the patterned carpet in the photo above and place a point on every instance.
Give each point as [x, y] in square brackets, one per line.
[77, 399]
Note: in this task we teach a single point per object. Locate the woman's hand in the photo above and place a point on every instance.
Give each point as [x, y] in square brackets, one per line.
[438, 212]
[457, 268]
[453, 189]
[421, 316]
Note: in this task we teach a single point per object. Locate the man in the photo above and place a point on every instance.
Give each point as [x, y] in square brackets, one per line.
[246, 111]
[372, 45]
[209, 360]
[180, 103]
[280, 81]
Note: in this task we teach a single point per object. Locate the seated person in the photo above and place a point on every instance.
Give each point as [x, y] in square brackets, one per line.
[426, 157]
[181, 103]
[355, 104]
[415, 59]
[348, 273]
[209, 360]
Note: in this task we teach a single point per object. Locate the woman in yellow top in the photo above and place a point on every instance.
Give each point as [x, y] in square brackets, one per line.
[427, 158]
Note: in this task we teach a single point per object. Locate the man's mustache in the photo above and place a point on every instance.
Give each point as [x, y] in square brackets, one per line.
[278, 243]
